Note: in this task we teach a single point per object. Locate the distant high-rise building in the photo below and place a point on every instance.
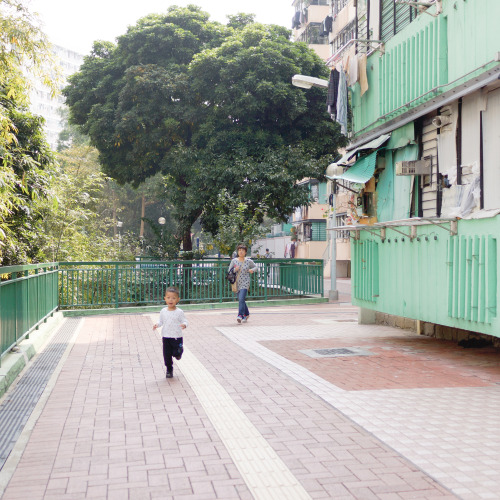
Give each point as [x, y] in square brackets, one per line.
[43, 104]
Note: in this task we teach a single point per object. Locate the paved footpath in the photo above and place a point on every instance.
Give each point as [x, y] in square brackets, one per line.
[299, 403]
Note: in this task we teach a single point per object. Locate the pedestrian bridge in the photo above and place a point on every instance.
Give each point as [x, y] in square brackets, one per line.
[301, 402]
[32, 293]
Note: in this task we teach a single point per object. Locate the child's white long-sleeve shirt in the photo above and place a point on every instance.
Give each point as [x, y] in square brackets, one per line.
[171, 322]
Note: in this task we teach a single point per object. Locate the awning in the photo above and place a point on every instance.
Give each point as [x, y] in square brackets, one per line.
[375, 143]
[362, 171]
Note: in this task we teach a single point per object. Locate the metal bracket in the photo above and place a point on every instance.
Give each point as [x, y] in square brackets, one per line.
[400, 232]
[345, 187]
[453, 230]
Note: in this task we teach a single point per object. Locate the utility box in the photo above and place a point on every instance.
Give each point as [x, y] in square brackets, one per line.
[414, 167]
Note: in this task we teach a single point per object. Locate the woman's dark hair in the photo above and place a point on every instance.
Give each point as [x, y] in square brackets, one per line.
[242, 245]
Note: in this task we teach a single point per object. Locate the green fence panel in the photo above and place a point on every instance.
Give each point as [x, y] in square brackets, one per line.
[31, 293]
[28, 295]
[117, 284]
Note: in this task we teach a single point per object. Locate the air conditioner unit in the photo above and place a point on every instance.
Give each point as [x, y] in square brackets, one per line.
[414, 167]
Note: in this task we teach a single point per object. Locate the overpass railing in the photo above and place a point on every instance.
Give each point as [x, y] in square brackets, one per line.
[28, 296]
[117, 284]
[31, 293]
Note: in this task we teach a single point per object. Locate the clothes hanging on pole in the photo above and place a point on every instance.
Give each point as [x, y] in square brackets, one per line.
[342, 103]
[331, 96]
[363, 79]
[352, 70]
[328, 22]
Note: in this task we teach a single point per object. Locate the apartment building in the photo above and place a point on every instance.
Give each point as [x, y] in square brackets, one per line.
[42, 102]
[424, 84]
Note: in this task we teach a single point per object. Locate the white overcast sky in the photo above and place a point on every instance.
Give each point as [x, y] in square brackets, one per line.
[76, 24]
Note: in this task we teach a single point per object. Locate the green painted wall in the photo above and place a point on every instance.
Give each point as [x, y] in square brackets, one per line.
[430, 52]
[438, 278]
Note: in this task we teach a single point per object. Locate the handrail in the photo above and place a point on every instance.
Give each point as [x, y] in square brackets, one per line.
[28, 296]
[336, 56]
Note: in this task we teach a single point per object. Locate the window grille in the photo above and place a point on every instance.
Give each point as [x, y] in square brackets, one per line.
[341, 220]
[346, 34]
[339, 4]
[311, 35]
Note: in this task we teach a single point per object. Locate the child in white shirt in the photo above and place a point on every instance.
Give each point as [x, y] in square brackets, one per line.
[172, 321]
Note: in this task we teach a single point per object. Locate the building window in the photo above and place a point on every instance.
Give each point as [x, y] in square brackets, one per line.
[341, 220]
[311, 35]
[314, 191]
[339, 4]
[315, 231]
[394, 17]
[346, 34]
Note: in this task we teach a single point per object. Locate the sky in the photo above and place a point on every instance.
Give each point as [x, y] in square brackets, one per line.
[75, 25]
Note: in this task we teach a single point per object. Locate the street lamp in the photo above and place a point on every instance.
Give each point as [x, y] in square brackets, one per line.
[307, 82]
[119, 225]
[162, 221]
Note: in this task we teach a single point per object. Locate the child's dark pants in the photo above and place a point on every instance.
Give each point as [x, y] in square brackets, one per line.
[169, 345]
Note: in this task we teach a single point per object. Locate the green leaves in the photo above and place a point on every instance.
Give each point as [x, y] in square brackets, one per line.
[212, 108]
[237, 222]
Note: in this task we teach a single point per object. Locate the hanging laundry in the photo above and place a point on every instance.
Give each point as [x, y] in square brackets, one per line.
[335, 9]
[363, 79]
[328, 22]
[331, 96]
[353, 70]
[322, 30]
[342, 104]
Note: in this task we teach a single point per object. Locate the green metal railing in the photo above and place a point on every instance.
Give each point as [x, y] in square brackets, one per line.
[117, 284]
[31, 293]
[28, 295]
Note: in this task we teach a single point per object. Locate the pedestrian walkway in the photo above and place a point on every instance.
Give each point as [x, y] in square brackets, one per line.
[299, 403]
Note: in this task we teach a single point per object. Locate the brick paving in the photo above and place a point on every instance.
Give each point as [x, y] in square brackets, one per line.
[417, 418]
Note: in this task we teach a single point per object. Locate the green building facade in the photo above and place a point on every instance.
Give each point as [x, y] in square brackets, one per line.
[428, 121]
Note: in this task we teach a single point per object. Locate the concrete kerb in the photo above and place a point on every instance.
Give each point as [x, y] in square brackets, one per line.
[194, 307]
[15, 362]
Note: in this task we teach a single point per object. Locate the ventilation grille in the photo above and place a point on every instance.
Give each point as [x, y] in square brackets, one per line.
[336, 352]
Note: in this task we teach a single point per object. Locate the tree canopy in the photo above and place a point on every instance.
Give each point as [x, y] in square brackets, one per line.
[211, 107]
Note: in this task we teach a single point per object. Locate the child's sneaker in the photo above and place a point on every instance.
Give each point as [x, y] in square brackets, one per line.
[245, 319]
[239, 319]
[178, 352]
[170, 373]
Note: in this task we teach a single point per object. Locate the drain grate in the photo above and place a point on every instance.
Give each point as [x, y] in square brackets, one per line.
[336, 352]
[17, 406]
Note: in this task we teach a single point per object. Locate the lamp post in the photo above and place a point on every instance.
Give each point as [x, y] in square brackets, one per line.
[119, 225]
[307, 82]
[162, 221]
[331, 172]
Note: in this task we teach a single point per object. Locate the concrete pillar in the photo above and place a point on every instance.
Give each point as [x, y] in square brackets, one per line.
[366, 316]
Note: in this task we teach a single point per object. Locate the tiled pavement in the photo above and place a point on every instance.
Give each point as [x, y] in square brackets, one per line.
[250, 414]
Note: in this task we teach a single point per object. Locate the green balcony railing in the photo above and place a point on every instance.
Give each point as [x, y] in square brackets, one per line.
[117, 284]
[31, 293]
[28, 295]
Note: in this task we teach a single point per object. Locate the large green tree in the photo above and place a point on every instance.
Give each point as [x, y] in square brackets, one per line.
[211, 107]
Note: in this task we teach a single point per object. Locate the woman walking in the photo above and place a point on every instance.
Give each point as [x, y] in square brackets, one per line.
[243, 267]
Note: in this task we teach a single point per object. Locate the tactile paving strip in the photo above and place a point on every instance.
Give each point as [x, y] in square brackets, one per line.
[266, 475]
[17, 406]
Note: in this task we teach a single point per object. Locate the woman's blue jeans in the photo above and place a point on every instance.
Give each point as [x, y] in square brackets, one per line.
[242, 305]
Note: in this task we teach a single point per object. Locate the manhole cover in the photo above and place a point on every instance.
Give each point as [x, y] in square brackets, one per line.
[335, 352]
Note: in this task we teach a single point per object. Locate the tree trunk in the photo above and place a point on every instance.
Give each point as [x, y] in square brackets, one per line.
[143, 214]
[187, 244]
